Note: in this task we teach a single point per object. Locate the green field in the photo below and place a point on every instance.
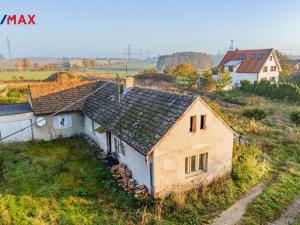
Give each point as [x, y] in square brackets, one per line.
[27, 75]
[132, 68]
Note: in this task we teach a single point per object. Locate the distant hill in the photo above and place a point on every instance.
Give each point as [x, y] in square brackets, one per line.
[2, 57]
[199, 60]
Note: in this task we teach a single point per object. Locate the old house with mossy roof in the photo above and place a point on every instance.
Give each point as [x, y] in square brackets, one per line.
[170, 142]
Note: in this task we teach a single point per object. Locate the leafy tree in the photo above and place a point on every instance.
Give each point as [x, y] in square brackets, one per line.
[286, 65]
[206, 81]
[224, 79]
[186, 71]
[23, 65]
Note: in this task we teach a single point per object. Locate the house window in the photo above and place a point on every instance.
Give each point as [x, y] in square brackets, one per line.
[203, 122]
[196, 163]
[122, 146]
[203, 161]
[193, 124]
[230, 69]
[193, 163]
[273, 68]
[271, 58]
[265, 69]
[116, 145]
[61, 122]
[93, 127]
[186, 165]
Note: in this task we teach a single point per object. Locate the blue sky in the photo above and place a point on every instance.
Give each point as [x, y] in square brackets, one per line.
[104, 28]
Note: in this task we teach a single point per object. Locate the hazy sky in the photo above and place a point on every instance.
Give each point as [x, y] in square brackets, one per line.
[104, 28]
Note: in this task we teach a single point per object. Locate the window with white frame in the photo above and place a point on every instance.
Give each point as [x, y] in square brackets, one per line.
[62, 121]
[196, 163]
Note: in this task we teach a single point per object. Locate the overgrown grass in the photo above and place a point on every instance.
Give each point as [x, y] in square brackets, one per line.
[278, 136]
[60, 182]
[13, 95]
[274, 200]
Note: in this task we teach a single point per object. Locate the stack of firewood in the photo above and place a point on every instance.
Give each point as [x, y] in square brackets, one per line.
[124, 178]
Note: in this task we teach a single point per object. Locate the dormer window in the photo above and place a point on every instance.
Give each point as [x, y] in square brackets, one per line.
[260, 56]
[242, 56]
[254, 56]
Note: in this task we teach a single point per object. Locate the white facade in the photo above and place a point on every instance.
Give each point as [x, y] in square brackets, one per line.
[52, 129]
[11, 123]
[134, 160]
[269, 71]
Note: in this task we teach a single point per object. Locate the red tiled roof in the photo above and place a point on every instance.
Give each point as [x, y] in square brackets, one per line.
[248, 65]
[50, 97]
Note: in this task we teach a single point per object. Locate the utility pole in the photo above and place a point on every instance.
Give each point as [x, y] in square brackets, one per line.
[129, 51]
[231, 45]
[8, 48]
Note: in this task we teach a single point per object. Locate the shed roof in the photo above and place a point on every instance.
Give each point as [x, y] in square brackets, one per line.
[50, 97]
[12, 109]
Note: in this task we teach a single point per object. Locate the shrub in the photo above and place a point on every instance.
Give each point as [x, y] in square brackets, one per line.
[256, 113]
[249, 166]
[284, 91]
[295, 116]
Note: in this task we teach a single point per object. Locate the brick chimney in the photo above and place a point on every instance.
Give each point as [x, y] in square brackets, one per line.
[128, 83]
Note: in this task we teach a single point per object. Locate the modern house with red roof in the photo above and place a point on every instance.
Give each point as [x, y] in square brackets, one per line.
[252, 65]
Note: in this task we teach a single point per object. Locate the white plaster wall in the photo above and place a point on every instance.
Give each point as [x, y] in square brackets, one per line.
[48, 131]
[100, 139]
[238, 77]
[11, 123]
[169, 155]
[136, 162]
[269, 74]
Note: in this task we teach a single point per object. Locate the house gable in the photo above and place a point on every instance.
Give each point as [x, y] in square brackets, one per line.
[215, 140]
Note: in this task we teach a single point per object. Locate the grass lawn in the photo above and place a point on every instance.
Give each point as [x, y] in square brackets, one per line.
[297, 220]
[58, 182]
[278, 137]
[27, 75]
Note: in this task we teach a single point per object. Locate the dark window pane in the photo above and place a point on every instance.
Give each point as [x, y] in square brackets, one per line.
[193, 163]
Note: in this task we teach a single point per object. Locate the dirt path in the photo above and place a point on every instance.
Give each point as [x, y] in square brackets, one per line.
[288, 216]
[233, 214]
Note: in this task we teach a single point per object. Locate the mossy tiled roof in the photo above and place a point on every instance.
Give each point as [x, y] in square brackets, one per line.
[142, 117]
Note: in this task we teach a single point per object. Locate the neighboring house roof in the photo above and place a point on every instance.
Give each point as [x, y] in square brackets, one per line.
[144, 117]
[252, 61]
[50, 97]
[233, 63]
[13, 109]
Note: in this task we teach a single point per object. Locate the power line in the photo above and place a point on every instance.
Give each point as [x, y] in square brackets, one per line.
[8, 48]
[63, 109]
[129, 51]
